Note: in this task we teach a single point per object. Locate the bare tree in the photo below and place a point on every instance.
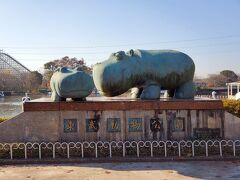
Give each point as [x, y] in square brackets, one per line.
[216, 80]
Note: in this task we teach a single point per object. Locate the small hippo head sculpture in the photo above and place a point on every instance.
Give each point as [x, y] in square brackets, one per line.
[71, 83]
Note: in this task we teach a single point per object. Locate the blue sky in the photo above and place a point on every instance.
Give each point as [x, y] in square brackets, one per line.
[37, 31]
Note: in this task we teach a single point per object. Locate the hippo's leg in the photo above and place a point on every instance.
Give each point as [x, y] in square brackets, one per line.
[151, 91]
[63, 99]
[55, 97]
[185, 91]
[136, 92]
[171, 92]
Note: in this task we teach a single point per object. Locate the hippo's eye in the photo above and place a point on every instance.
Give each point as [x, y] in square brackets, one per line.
[63, 69]
[119, 56]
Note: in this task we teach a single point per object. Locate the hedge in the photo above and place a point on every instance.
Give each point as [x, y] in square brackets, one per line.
[3, 119]
[232, 106]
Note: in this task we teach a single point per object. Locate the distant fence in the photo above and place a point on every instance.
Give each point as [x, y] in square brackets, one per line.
[54, 150]
[210, 96]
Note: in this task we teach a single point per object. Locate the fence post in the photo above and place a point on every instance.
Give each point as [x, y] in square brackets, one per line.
[165, 149]
[82, 150]
[151, 148]
[137, 150]
[220, 148]
[110, 149]
[25, 151]
[124, 153]
[68, 153]
[193, 150]
[11, 151]
[96, 154]
[206, 149]
[39, 152]
[179, 149]
[234, 149]
[54, 156]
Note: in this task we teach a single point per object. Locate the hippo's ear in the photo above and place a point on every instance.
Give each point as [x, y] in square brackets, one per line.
[78, 68]
[131, 52]
[62, 69]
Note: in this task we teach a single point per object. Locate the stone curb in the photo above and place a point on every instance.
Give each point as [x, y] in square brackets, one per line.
[110, 160]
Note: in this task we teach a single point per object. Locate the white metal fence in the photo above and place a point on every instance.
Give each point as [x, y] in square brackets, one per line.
[211, 97]
[195, 148]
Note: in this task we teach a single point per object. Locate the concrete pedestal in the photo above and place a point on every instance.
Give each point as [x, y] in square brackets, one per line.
[100, 119]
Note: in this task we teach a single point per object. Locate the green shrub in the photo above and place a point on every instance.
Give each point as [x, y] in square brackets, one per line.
[3, 119]
[232, 106]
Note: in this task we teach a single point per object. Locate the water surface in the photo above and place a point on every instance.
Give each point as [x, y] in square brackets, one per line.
[11, 106]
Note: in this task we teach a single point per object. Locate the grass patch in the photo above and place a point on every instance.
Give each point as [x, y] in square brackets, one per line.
[2, 119]
[232, 106]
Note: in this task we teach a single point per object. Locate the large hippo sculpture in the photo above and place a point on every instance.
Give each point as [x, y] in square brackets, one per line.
[148, 72]
[70, 83]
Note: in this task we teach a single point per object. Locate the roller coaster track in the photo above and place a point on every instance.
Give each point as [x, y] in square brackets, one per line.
[12, 73]
[11, 66]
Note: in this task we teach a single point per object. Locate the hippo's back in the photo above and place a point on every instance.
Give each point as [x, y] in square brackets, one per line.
[167, 57]
[168, 67]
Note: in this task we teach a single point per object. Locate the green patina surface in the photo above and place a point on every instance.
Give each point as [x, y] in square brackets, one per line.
[150, 70]
[71, 83]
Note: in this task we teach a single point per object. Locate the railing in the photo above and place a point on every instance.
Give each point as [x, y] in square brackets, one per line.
[211, 97]
[163, 149]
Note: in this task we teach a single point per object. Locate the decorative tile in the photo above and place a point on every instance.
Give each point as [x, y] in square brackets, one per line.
[70, 125]
[92, 125]
[135, 124]
[113, 125]
[156, 124]
[206, 133]
[179, 124]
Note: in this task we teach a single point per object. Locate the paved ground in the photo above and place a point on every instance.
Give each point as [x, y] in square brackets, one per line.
[124, 171]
